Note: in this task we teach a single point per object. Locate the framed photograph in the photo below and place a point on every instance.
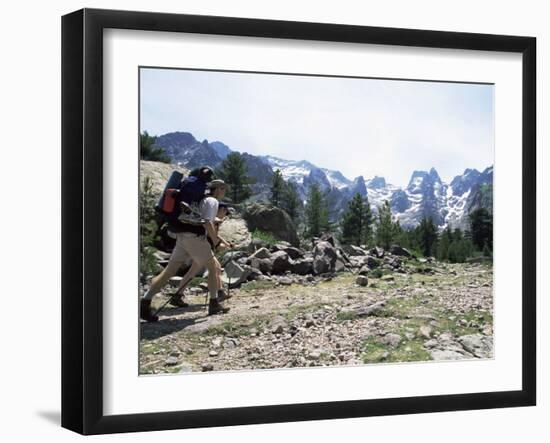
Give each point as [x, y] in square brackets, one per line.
[269, 221]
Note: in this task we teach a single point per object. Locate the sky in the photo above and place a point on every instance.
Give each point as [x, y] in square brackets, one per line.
[361, 126]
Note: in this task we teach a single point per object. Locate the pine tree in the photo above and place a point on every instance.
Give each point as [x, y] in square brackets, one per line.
[428, 236]
[443, 245]
[149, 150]
[277, 188]
[291, 201]
[385, 228]
[367, 236]
[233, 171]
[316, 212]
[481, 225]
[353, 220]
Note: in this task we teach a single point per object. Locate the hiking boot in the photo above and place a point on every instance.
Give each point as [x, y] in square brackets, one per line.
[145, 311]
[215, 307]
[176, 300]
[222, 295]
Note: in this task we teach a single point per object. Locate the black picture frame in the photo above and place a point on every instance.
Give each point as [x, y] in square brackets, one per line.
[82, 230]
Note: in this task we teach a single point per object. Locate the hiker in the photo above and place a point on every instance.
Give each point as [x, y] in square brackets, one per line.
[178, 299]
[191, 241]
[177, 192]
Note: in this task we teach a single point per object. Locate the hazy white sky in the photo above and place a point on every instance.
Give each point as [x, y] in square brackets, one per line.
[357, 126]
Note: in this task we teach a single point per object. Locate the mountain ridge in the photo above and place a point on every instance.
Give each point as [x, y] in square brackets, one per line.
[426, 195]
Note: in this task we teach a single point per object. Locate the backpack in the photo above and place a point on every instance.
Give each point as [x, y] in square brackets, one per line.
[190, 191]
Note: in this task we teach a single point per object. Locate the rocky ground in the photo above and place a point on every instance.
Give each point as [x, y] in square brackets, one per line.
[443, 312]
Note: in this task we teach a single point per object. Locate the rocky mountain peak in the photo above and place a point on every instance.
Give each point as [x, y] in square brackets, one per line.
[377, 182]
[358, 186]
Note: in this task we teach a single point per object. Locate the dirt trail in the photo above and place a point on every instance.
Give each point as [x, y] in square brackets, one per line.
[401, 317]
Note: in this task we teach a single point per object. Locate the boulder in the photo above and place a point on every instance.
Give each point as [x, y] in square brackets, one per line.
[232, 255]
[264, 265]
[339, 266]
[366, 260]
[364, 270]
[234, 274]
[353, 251]
[280, 262]
[294, 253]
[253, 273]
[234, 230]
[324, 257]
[398, 250]
[302, 266]
[321, 265]
[261, 253]
[273, 220]
[331, 239]
[394, 262]
[362, 280]
[256, 244]
[373, 262]
[280, 246]
[377, 252]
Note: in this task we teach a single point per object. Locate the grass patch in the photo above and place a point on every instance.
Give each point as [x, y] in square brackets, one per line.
[258, 285]
[266, 237]
[236, 329]
[407, 351]
[346, 316]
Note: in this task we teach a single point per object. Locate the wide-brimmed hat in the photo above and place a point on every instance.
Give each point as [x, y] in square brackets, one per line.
[214, 184]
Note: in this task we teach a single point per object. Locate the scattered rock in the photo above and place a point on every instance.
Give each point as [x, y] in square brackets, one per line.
[439, 354]
[280, 262]
[479, 345]
[213, 353]
[171, 361]
[373, 309]
[391, 339]
[285, 281]
[207, 367]
[362, 280]
[314, 355]
[425, 331]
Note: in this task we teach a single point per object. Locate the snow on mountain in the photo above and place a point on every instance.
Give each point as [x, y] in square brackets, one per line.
[337, 179]
[426, 195]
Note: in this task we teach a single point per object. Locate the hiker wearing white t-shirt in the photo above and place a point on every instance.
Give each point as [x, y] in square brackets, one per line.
[192, 242]
[199, 248]
[178, 298]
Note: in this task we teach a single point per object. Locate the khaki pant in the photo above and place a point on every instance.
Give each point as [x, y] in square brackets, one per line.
[191, 246]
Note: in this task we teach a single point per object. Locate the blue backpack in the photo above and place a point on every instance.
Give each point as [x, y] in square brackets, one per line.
[190, 190]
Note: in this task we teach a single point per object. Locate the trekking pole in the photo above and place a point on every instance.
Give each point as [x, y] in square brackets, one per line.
[162, 307]
[229, 278]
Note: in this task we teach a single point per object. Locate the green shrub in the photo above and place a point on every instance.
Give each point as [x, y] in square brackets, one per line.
[376, 273]
[147, 230]
[266, 237]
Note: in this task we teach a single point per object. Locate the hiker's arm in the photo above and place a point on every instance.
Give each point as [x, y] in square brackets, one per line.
[223, 240]
[211, 231]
